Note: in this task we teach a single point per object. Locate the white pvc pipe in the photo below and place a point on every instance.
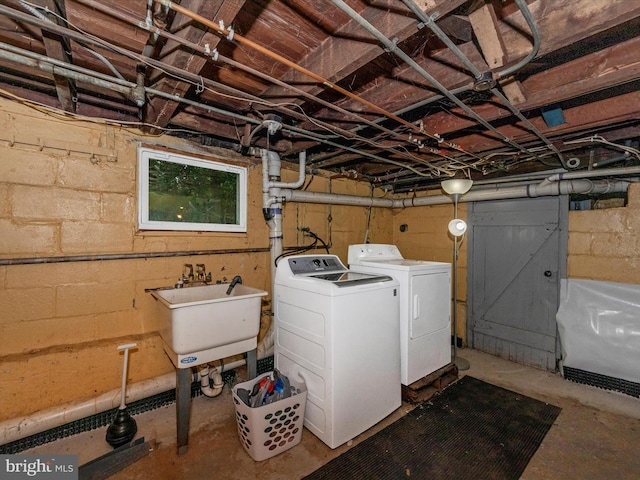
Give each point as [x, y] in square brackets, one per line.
[207, 373]
[17, 428]
[274, 167]
[498, 193]
[271, 171]
[272, 207]
[38, 422]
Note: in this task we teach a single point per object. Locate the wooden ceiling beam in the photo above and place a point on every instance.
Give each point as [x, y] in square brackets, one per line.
[59, 49]
[486, 28]
[160, 111]
[616, 65]
[344, 52]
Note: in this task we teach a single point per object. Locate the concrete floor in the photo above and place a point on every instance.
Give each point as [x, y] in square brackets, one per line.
[596, 436]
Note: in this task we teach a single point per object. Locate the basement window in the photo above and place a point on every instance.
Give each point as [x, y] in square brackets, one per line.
[177, 192]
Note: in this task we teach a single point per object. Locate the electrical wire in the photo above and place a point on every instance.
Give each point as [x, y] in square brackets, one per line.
[403, 152]
[600, 139]
[317, 238]
[64, 115]
[158, 65]
[305, 248]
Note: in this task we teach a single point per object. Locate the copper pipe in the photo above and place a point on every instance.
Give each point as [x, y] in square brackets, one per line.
[231, 35]
[229, 61]
[80, 38]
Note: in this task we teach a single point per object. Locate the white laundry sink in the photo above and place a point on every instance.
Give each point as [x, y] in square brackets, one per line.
[205, 319]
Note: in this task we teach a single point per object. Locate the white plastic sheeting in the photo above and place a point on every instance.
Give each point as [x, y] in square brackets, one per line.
[599, 327]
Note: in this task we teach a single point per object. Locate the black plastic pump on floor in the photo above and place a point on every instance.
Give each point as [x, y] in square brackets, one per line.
[123, 427]
[457, 227]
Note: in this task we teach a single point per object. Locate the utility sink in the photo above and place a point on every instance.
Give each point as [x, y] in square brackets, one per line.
[201, 324]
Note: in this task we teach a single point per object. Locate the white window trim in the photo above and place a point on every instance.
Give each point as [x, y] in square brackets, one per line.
[145, 154]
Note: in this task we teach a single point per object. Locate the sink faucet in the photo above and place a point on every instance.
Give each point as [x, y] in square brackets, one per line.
[236, 280]
[188, 278]
[187, 268]
[201, 273]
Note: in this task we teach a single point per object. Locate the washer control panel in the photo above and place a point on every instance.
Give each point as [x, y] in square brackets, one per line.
[315, 264]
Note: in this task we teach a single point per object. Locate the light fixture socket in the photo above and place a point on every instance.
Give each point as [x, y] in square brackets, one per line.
[456, 186]
[273, 123]
[484, 82]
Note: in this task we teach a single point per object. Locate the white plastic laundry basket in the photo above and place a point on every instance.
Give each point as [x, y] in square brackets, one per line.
[273, 428]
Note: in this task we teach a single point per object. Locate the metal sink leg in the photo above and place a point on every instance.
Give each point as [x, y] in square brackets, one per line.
[183, 407]
[252, 364]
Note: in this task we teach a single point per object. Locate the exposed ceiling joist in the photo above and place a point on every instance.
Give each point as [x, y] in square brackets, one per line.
[388, 89]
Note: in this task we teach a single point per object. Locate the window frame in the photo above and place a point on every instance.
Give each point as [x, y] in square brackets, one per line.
[146, 154]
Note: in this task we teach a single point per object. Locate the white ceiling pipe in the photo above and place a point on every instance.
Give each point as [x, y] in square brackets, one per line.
[334, 199]
[273, 167]
[526, 191]
[564, 187]
[605, 172]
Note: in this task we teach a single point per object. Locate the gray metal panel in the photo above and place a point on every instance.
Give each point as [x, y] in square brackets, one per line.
[517, 252]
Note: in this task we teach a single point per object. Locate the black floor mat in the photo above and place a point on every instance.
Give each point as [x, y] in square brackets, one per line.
[472, 430]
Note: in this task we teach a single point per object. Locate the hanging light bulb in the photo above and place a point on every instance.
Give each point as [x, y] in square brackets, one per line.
[457, 227]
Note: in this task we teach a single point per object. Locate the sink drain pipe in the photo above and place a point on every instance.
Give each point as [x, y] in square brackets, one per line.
[272, 210]
[208, 374]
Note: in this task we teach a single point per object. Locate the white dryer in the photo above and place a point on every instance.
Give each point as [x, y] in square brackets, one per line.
[425, 306]
[339, 331]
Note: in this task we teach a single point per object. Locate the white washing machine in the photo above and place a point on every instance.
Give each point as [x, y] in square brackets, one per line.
[339, 331]
[425, 306]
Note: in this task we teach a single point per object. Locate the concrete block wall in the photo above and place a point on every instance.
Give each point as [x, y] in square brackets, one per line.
[338, 225]
[605, 244]
[60, 322]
